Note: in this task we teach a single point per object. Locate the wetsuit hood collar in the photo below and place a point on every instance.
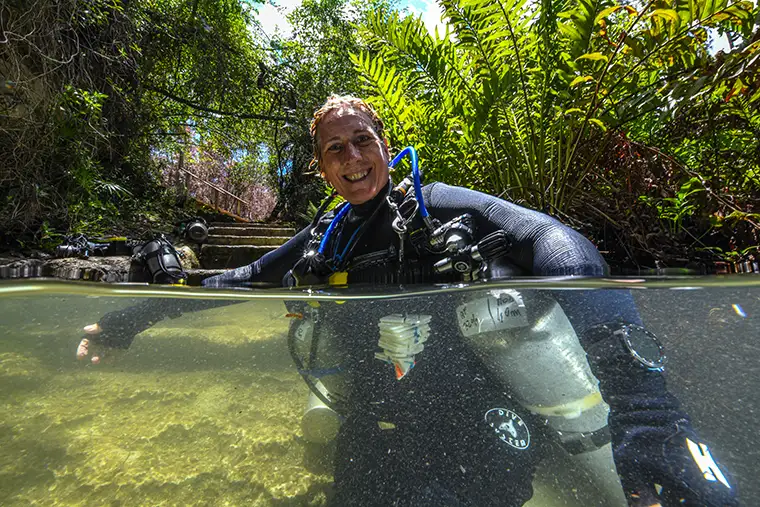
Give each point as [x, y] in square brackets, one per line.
[365, 209]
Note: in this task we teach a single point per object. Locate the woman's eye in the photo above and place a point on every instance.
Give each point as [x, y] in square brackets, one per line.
[334, 147]
[363, 138]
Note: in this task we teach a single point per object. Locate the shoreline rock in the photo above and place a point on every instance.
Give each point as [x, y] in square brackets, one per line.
[111, 269]
[117, 269]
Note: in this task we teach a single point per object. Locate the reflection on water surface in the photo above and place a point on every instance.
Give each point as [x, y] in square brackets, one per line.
[206, 408]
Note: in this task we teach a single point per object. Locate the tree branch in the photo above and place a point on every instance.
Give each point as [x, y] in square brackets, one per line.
[234, 114]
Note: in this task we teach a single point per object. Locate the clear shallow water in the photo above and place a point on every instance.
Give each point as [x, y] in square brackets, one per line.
[205, 409]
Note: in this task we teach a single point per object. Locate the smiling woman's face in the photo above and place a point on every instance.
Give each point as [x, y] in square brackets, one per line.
[353, 158]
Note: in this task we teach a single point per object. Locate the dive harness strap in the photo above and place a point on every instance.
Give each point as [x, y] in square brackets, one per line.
[315, 267]
[580, 442]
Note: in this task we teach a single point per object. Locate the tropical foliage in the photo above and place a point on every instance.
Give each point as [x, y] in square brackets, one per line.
[615, 117]
[528, 100]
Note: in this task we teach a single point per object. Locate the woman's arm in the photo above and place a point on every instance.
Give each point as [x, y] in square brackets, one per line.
[658, 455]
[541, 245]
[117, 329]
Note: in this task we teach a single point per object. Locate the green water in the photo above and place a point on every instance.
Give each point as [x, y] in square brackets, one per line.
[205, 409]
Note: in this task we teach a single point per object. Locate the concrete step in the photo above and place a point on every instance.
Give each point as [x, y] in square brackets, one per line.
[250, 230]
[248, 240]
[230, 256]
[196, 276]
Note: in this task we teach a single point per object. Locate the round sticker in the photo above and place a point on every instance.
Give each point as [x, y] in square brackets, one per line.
[509, 427]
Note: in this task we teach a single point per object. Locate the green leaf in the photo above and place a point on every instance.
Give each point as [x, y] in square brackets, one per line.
[580, 79]
[606, 12]
[666, 14]
[594, 57]
[599, 123]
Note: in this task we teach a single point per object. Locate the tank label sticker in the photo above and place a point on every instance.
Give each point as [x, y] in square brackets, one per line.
[509, 427]
[500, 309]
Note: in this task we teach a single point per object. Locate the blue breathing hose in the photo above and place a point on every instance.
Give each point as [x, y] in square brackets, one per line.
[409, 150]
[333, 224]
[412, 153]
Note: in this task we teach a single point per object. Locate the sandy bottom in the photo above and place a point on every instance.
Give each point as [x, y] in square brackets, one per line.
[202, 410]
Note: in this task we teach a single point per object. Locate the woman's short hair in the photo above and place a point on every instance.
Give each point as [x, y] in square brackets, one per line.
[336, 102]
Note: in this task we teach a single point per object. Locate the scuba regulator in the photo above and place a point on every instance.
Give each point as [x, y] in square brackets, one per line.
[456, 238]
[79, 246]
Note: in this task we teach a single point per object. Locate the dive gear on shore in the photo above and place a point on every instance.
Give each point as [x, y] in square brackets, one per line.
[196, 230]
[80, 246]
[162, 261]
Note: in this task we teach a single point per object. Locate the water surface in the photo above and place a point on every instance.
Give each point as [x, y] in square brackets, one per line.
[205, 409]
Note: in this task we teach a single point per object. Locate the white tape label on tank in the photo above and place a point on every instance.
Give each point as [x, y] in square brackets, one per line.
[501, 309]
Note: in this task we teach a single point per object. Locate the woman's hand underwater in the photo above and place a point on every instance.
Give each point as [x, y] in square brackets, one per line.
[89, 347]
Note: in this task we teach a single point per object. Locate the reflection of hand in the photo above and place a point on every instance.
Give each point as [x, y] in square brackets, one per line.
[89, 347]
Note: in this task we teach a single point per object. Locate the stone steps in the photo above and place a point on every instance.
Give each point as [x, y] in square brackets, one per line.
[229, 239]
[231, 245]
[252, 230]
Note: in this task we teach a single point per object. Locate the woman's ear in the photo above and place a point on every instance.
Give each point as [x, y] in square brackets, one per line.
[323, 174]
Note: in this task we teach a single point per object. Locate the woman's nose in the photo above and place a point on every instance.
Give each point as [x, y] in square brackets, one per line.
[352, 152]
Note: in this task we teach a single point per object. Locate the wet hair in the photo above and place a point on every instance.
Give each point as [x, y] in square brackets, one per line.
[333, 103]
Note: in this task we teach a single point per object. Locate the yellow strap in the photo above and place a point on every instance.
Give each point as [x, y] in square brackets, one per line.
[570, 410]
[338, 278]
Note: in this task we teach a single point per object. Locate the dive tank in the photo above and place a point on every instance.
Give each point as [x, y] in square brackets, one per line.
[526, 340]
[314, 343]
[320, 423]
[161, 260]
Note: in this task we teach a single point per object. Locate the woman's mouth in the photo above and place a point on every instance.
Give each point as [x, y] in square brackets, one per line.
[356, 177]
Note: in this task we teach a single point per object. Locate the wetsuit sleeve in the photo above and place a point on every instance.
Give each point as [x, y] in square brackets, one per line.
[658, 455]
[652, 438]
[120, 327]
[541, 245]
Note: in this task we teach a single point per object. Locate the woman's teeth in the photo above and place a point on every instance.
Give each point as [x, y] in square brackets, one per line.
[356, 176]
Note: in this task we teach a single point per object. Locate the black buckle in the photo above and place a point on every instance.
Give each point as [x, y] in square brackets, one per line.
[580, 442]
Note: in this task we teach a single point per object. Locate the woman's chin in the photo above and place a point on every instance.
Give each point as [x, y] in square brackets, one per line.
[361, 194]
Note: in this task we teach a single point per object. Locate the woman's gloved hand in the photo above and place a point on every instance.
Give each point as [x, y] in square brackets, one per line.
[679, 471]
[93, 346]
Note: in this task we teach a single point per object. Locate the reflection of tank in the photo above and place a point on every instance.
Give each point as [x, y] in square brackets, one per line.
[526, 340]
[320, 423]
[318, 360]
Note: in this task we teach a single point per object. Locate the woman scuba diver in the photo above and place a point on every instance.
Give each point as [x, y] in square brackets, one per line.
[432, 407]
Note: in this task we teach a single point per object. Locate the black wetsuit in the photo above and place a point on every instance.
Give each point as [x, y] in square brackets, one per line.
[437, 448]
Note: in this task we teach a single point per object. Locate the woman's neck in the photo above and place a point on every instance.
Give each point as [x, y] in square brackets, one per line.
[366, 208]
